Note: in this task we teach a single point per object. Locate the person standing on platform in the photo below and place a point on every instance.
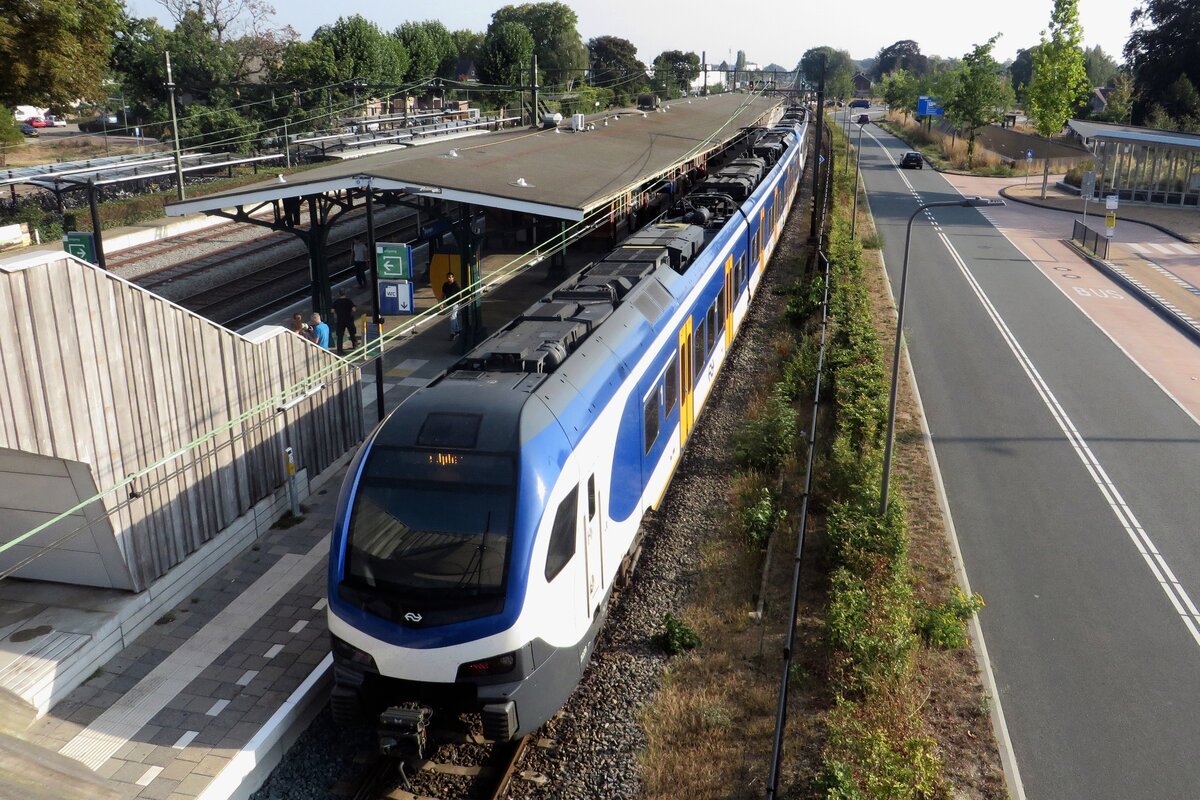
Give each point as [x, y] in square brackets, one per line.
[343, 314]
[358, 252]
[320, 330]
[450, 292]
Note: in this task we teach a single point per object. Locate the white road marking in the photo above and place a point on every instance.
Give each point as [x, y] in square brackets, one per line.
[217, 708]
[1183, 248]
[1162, 248]
[1138, 248]
[1133, 528]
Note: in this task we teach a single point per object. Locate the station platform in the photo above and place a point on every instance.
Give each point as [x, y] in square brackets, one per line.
[204, 701]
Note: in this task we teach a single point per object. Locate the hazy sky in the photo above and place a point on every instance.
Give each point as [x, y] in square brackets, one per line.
[767, 32]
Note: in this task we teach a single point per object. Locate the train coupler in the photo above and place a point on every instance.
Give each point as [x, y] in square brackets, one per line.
[404, 731]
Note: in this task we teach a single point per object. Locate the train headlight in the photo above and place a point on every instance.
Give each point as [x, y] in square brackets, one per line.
[496, 665]
[348, 652]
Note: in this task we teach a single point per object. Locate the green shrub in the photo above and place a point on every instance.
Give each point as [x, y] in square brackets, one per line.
[805, 298]
[859, 538]
[675, 636]
[757, 515]
[872, 241]
[798, 378]
[945, 625]
[768, 436]
[871, 757]
[870, 621]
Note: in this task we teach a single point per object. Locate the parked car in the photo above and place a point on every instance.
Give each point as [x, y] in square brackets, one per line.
[912, 160]
[54, 121]
[27, 129]
[860, 103]
[38, 122]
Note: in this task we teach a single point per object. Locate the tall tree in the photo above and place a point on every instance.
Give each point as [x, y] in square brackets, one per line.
[839, 70]
[1101, 68]
[506, 54]
[900, 91]
[562, 58]
[1060, 81]
[467, 44]
[674, 71]
[739, 63]
[429, 47]
[55, 51]
[615, 66]
[904, 54]
[978, 93]
[1165, 44]
[361, 50]
[1119, 103]
[1020, 71]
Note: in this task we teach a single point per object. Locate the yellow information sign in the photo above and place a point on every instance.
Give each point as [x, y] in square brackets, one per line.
[1110, 220]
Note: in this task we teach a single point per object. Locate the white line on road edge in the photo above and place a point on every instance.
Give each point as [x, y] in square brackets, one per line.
[1145, 545]
[1008, 756]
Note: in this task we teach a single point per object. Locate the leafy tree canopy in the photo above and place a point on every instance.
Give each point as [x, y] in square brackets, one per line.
[904, 54]
[615, 65]
[1020, 71]
[977, 94]
[430, 49]
[674, 71]
[55, 51]
[900, 91]
[560, 51]
[361, 50]
[506, 54]
[1165, 44]
[839, 70]
[1060, 81]
[1101, 67]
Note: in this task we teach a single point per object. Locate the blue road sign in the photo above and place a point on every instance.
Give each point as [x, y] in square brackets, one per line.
[820, 158]
[1029, 154]
[929, 106]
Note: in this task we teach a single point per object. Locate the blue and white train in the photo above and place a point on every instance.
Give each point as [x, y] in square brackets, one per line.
[482, 525]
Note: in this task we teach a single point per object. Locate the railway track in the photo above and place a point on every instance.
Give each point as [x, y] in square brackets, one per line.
[248, 293]
[462, 767]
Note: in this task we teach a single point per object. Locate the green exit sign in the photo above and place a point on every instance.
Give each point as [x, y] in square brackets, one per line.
[81, 245]
[393, 261]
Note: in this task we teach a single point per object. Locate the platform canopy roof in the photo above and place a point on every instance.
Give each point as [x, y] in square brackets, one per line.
[554, 173]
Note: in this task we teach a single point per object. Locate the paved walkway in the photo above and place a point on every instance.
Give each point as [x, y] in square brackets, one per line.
[1181, 223]
[206, 696]
[1169, 356]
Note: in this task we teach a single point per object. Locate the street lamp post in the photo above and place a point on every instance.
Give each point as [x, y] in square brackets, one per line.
[364, 183]
[857, 161]
[966, 202]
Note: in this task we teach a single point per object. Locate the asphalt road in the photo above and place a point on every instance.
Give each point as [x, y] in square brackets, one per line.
[1067, 469]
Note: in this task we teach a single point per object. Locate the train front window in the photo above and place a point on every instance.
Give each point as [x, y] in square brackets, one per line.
[429, 540]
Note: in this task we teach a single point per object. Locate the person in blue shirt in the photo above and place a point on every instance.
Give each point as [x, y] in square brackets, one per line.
[320, 330]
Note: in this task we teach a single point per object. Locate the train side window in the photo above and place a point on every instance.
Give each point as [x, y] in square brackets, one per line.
[711, 324]
[740, 269]
[592, 497]
[562, 535]
[721, 309]
[671, 385]
[650, 415]
[699, 353]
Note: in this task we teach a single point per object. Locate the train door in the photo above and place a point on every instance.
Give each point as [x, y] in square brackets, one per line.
[594, 550]
[686, 381]
[729, 295]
